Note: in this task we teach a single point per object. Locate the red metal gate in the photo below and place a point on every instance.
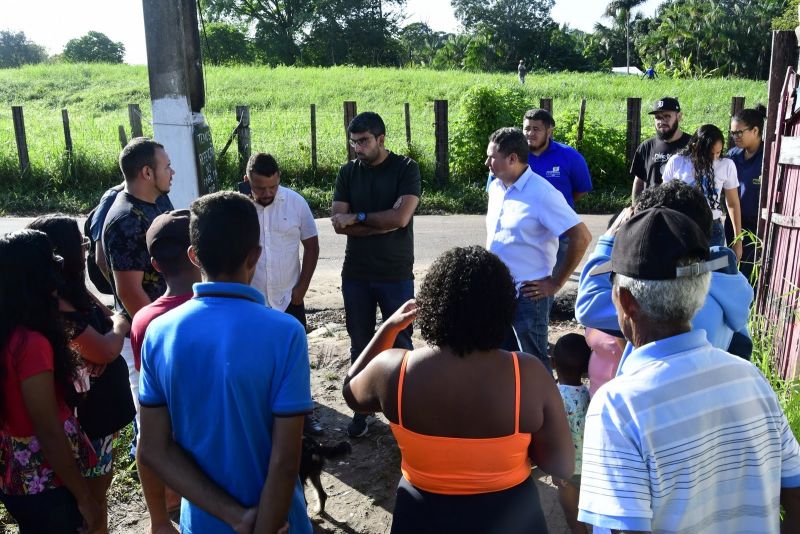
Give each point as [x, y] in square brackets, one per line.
[779, 283]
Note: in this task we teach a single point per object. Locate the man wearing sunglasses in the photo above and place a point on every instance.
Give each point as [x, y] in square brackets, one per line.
[374, 201]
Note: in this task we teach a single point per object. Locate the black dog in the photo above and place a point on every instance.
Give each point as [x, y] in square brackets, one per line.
[313, 460]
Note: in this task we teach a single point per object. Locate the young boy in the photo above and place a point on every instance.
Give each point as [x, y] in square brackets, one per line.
[571, 362]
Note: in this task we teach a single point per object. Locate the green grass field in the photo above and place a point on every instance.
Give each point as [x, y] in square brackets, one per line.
[97, 97]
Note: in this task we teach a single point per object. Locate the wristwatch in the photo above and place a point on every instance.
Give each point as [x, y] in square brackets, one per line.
[361, 217]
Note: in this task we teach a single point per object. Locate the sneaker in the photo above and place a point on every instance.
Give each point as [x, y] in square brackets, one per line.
[312, 427]
[358, 426]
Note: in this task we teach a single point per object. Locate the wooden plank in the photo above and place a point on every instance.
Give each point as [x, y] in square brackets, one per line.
[314, 138]
[634, 129]
[737, 105]
[19, 135]
[243, 137]
[67, 134]
[546, 104]
[581, 119]
[135, 118]
[350, 111]
[442, 172]
[407, 110]
[787, 221]
[123, 140]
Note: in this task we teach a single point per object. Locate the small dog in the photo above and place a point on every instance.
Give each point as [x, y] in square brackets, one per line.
[312, 461]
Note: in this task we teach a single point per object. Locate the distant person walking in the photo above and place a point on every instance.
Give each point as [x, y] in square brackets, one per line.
[747, 130]
[651, 156]
[522, 71]
[374, 201]
[650, 74]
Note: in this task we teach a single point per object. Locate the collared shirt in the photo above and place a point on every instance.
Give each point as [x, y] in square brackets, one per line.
[225, 366]
[564, 168]
[523, 222]
[686, 438]
[284, 224]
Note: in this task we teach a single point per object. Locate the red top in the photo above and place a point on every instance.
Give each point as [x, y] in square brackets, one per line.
[28, 354]
[144, 317]
[462, 466]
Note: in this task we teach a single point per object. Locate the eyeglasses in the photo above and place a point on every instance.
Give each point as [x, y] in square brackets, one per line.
[738, 133]
[361, 141]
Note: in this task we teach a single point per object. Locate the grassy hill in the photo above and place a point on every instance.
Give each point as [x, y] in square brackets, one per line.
[97, 97]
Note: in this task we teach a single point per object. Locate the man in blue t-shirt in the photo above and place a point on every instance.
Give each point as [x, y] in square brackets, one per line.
[225, 386]
[559, 164]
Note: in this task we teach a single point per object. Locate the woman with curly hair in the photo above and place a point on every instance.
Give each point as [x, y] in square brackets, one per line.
[470, 419]
[700, 164]
[106, 405]
[42, 447]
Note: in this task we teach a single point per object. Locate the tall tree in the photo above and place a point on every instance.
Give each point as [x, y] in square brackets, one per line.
[94, 47]
[624, 7]
[16, 50]
[520, 29]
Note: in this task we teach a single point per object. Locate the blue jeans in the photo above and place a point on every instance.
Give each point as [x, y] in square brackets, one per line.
[362, 298]
[530, 328]
[717, 234]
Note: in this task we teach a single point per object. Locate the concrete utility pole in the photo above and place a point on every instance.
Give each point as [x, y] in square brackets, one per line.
[177, 95]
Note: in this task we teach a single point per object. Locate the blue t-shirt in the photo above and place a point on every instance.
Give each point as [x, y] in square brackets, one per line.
[749, 172]
[564, 168]
[225, 366]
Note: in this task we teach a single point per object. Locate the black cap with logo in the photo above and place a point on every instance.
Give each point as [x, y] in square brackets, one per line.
[666, 104]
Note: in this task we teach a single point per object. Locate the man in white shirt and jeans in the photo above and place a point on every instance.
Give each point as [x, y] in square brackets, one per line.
[525, 216]
[286, 223]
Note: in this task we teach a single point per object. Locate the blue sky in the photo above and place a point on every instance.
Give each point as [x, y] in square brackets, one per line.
[54, 22]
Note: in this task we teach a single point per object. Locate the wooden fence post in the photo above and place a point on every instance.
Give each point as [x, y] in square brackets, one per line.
[314, 138]
[737, 105]
[407, 109]
[67, 134]
[19, 135]
[350, 111]
[581, 119]
[135, 118]
[123, 140]
[243, 137]
[442, 148]
[546, 104]
[634, 131]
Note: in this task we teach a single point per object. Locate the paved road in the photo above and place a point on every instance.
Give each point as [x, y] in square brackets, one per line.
[433, 234]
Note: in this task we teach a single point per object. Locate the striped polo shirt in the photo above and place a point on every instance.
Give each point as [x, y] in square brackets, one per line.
[687, 438]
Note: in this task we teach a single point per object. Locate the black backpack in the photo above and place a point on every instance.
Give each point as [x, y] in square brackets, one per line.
[95, 274]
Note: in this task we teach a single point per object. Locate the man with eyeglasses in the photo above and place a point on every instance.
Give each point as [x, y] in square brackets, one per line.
[651, 156]
[374, 201]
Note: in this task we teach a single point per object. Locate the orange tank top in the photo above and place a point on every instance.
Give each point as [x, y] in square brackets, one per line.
[462, 466]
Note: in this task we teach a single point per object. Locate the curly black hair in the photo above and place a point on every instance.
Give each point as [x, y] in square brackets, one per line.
[29, 276]
[699, 151]
[466, 302]
[679, 196]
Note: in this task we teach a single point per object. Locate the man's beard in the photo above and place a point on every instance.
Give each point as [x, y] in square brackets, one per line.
[667, 134]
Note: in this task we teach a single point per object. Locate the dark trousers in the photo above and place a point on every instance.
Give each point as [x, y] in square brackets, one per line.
[298, 311]
[361, 300]
[51, 512]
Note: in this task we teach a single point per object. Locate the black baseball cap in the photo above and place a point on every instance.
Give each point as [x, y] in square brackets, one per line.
[667, 103]
[652, 242]
[168, 235]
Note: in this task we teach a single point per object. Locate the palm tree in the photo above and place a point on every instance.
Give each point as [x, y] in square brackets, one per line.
[624, 7]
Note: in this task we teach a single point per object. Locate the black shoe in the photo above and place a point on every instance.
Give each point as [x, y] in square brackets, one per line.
[358, 426]
[312, 427]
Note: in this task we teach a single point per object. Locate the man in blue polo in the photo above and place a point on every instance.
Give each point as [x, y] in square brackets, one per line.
[559, 164]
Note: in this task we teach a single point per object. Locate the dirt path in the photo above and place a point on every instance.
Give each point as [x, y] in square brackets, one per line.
[361, 486]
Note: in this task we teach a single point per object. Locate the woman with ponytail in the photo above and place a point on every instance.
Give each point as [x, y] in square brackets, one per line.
[747, 130]
[699, 164]
[43, 450]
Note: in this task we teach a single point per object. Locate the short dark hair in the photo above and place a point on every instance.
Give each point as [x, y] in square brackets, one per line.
[263, 164]
[679, 196]
[369, 121]
[753, 117]
[543, 115]
[138, 153]
[571, 354]
[511, 141]
[223, 230]
[466, 301]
